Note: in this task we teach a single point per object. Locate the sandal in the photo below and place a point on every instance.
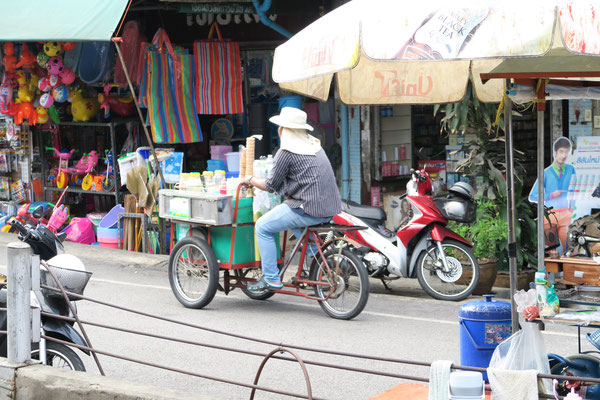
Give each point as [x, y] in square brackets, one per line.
[263, 284]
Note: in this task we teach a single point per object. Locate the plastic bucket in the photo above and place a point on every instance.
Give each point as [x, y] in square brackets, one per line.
[108, 233]
[233, 162]
[110, 220]
[109, 245]
[290, 101]
[483, 325]
[213, 165]
[232, 174]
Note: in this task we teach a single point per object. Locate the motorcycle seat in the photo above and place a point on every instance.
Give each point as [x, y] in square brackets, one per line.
[374, 215]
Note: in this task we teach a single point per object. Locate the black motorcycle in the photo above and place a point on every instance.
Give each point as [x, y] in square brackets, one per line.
[49, 245]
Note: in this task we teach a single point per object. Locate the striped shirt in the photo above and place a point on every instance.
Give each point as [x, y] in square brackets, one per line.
[307, 181]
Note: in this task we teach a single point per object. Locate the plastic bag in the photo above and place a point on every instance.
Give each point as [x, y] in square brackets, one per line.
[522, 351]
[527, 303]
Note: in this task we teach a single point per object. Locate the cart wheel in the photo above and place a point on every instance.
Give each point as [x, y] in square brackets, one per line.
[345, 288]
[108, 185]
[86, 183]
[61, 180]
[253, 273]
[193, 272]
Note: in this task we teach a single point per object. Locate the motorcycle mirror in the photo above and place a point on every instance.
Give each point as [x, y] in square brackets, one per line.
[38, 212]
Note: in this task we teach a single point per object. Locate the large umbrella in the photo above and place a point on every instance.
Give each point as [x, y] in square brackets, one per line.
[392, 52]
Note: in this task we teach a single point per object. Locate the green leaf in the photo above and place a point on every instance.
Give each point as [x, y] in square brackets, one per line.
[436, 108]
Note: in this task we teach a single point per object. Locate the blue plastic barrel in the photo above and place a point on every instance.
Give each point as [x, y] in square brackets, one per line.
[483, 325]
[290, 101]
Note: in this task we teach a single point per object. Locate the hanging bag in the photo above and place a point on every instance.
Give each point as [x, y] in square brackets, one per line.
[218, 75]
[169, 87]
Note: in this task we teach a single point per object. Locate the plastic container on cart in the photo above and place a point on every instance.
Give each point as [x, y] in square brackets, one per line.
[213, 165]
[232, 174]
[220, 239]
[195, 207]
[233, 162]
[245, 213]
[483, 325]
[110, 220]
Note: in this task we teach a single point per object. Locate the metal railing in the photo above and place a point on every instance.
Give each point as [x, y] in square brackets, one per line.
[19, 350]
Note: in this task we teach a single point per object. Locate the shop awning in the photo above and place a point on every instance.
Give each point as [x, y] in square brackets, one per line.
[60, 20]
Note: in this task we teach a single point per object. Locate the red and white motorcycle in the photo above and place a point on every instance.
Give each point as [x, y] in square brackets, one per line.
[422, 247]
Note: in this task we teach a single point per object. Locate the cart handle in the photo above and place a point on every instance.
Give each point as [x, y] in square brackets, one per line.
[237, 203]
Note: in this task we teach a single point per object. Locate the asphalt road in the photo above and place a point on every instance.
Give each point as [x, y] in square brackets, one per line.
[404, 324]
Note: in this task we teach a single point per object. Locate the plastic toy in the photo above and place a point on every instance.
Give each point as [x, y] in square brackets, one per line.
[5, 95]
[122, 105]
[10, 60]
[22, 111]
[68, 46]
[84, 166]
[108, 177]
[42, 115]
[67, 76]
[80, 230]
[46, 100]
[52, 49]
[24, 94]
[26, 59]
[42, 59]
[60, 93]
[83, 109]
[59, 216]
[55, 66]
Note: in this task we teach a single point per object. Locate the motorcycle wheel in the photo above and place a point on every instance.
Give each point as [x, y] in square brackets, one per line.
[59, 356]
[193, 272]
[456, 285]
[253, 273]
[350, 284]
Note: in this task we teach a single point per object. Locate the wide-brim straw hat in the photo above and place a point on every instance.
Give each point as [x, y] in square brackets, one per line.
[291, 117]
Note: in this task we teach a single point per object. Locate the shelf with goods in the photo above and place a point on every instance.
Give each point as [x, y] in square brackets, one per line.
[103, 129]
[15, 163]
[396, 143]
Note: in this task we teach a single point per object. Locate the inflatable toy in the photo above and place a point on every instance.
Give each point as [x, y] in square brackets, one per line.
[68, 46]
[67, 76]
[26, 59]
[42, 59]
[42, 115]
[46, 100]
[83, 109]
[60, 93]
[9, 60]
[54, 66]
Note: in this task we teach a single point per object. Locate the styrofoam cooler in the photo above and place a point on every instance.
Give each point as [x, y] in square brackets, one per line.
[233, 161]
[466, 385]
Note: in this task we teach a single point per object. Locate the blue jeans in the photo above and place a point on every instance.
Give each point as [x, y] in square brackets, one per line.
[280, 219]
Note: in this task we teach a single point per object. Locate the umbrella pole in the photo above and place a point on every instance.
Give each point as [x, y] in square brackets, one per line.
[540, 191]
[510, 201]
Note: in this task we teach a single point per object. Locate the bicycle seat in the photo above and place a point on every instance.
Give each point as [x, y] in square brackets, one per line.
[372, 215]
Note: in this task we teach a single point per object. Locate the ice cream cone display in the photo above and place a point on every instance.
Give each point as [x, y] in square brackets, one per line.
[242, 162]
[250, 146]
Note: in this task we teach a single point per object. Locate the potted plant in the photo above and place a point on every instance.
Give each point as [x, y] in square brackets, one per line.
[485, 162]
[488, 235]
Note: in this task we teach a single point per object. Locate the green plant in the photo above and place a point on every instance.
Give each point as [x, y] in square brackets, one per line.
[485, 163]
[487, 234]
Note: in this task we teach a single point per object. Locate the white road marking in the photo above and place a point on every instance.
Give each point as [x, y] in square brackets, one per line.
[378, 314]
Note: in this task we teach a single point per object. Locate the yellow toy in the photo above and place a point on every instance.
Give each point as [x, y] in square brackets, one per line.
[42, 115]
[52, 49]
[25, 93]
[82, 108]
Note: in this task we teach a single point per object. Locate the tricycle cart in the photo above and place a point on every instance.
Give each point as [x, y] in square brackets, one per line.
[218, 254]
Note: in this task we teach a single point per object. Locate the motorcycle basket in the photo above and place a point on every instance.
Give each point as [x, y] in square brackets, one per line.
[455, 208]
[73, 281]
